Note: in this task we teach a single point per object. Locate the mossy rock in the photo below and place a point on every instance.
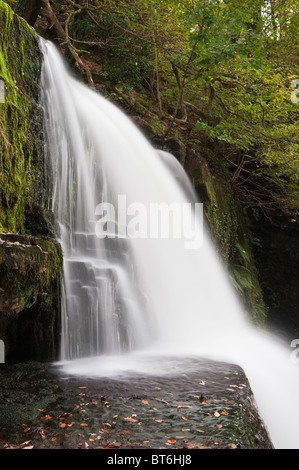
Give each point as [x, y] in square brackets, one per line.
[30, 270]
[21, 136]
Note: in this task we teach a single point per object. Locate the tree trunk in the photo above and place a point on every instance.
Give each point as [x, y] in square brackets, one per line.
[29, 10]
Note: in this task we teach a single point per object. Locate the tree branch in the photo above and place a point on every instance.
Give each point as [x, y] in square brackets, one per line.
[64, 36]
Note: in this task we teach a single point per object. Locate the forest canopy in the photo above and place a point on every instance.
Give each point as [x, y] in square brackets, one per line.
[224, 71]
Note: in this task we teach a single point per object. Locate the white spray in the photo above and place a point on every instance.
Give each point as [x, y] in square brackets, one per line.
[126, 299]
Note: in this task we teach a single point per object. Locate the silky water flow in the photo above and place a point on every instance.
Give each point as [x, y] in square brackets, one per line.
[144, 304]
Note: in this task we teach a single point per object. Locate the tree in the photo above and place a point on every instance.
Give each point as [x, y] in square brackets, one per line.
[29, 10]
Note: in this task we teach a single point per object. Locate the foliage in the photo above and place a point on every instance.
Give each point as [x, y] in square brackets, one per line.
[20, 121]
[225, 69]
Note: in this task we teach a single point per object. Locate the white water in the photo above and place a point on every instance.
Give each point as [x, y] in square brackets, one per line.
[131, 304]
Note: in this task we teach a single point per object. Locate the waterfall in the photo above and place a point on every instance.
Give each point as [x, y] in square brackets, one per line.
[132, 299]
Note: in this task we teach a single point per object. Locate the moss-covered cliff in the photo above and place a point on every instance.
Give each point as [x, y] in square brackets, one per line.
[21, 124]
[29, 297]
[30, 263]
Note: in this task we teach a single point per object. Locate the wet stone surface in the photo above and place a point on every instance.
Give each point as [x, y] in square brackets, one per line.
[210, 406]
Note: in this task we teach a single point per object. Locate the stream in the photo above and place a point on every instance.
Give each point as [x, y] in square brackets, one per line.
[208, 406]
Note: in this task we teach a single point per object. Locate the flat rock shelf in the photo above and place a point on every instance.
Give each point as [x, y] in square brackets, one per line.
[209, 406]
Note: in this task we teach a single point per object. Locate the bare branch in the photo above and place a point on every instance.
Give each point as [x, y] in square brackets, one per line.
[64, 36]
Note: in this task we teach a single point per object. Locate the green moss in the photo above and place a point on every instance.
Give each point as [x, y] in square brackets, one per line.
[233, 239]
[20, 122]
[30, 269]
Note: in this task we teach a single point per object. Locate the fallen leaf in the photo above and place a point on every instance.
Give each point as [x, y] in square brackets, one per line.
[63, 425]
[159, 420]
[28, 447]
[220, 426]
[233, 446]
[223, 412]
[145, 402]
[25, 443]
[83, 424]
[131, 419]
[125, 431]
[184, 418]
[183, 406]
[27, 429]
[162, 401]
[216, 414]
[171, 441]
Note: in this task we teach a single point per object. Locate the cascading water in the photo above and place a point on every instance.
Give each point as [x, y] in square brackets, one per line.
[129, 303]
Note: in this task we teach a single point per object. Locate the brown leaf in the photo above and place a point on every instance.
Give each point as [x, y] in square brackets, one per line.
[171, 441]
[131, 419]
[145, 402]
[25, 443]
[183, 406]
[162, 401]
[83, 424]
[184, 418]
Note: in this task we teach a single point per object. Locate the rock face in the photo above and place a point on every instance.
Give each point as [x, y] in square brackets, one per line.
[30, 261]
